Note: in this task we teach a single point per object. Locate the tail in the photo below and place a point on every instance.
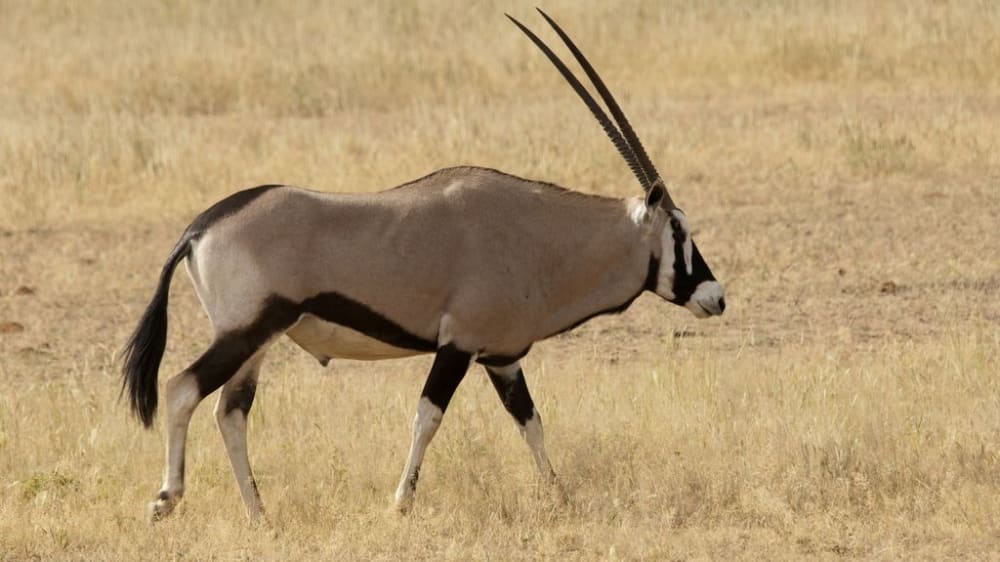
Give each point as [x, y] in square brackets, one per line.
[144, 350]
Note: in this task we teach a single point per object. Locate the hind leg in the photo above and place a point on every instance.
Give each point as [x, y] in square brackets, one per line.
[223, 359]
[231, 413]
[510, 385]
[182, 397]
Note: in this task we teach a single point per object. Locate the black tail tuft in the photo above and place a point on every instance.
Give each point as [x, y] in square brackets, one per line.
[144, 350]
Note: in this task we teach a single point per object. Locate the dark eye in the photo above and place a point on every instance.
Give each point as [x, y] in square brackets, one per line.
[678, 230]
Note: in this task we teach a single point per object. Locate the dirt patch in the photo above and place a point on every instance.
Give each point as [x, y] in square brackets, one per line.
[7, 327]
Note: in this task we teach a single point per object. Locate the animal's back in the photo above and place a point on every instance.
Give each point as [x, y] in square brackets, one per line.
[473, 237]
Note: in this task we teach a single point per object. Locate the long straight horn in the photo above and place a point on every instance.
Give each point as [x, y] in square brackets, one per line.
[609, 128]
[652, 176]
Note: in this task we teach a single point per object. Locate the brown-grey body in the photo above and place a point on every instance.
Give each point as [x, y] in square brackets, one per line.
[470, 264]
[536, 259]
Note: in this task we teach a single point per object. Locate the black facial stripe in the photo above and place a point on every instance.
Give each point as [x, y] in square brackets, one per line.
[514, 395]
[679, 236]
[678, 230]
[684, 284]
[450, 365]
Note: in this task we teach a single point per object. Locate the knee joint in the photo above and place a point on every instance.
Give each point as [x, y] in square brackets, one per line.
[182, 394]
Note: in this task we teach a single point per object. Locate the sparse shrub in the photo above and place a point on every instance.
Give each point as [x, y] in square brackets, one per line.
[873, 151]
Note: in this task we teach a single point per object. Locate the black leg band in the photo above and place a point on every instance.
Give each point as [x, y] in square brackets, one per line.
[514, 394]
[450, 365]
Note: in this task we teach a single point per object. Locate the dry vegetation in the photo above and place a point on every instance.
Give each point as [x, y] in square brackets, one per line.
[839, 162]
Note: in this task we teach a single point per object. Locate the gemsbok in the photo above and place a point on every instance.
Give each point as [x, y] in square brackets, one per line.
[468, 263]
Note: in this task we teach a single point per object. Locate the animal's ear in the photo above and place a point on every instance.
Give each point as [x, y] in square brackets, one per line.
[655, 195]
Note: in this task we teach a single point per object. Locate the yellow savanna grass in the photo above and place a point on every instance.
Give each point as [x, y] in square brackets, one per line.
[840, 164]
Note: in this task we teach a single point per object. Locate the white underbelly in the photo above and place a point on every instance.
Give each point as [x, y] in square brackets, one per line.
[325, 340]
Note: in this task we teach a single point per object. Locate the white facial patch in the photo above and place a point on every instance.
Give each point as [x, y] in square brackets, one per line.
[638, 212]
[665, 277]
[707, 300]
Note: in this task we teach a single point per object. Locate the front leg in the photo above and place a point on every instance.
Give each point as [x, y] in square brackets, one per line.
[450, 365]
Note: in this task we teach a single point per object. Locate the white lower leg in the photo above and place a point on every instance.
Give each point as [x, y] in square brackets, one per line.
[532, 432]
[233, 426]
[425, 425]
[231, 411]
[182, 397]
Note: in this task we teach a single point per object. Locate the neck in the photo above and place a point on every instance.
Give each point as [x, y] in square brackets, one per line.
[606, 276]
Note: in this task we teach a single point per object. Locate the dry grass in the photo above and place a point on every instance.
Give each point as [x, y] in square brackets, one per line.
[840, 164]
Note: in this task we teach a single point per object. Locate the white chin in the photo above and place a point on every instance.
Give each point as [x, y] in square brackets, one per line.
[697, 310]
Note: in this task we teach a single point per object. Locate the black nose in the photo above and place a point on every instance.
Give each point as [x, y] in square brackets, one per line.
[722, 304]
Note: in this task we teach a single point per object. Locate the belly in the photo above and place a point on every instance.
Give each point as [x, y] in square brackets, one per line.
[326, 340]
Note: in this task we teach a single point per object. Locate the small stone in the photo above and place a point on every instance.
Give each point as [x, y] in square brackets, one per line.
[11, 328]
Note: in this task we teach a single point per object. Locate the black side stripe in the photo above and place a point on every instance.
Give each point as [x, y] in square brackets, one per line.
[231, 350]
[336, 308]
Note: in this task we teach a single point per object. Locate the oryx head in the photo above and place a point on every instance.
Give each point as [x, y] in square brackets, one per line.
[683, 277]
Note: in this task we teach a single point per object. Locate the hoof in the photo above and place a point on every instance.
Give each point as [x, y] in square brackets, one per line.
[550, 489]
[404, 505]
[557, 494]
[256, 519]
[159, 509]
